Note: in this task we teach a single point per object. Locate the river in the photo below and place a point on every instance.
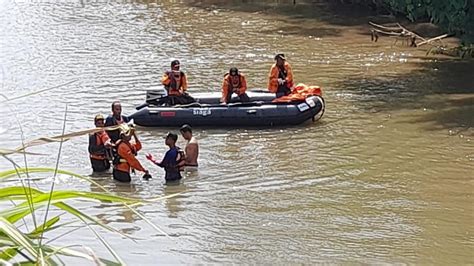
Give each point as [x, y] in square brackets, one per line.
[386, 176]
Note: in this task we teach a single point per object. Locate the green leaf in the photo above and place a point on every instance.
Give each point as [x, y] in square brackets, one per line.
[41, 199]
[44, 227]
[17, 237]
[13, 172]
[9, 253]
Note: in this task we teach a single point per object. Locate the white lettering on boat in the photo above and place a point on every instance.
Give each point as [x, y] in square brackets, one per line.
[202, 111]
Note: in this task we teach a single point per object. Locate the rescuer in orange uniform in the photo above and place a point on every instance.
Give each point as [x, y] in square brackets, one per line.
[280, 79]
[234, 82]
[99, 147]
[176, 84]
[126, 152]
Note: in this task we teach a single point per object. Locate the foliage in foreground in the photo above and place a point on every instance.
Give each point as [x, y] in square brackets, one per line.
[30, 246]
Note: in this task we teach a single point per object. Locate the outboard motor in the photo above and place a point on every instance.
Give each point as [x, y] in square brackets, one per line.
[156, 96]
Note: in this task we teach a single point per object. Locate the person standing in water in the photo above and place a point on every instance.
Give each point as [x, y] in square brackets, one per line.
[99, 147]
[126, 155]
[174, 159]
[192, 147]
[114, 119]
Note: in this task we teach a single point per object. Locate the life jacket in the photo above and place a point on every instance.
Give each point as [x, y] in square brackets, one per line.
[179, 164]
[119, 162]
[175, 83]
[233, 86]
[97, 148]
[282, 74]
[299, 93]
[276, 73]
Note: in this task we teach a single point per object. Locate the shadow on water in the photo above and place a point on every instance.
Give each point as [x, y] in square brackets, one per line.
[305, 18]
[445, 87]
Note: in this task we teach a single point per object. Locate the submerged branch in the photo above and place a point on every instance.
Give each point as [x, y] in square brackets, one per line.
[415, 40]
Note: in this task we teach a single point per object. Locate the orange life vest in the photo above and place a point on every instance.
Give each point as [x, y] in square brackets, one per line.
[175, 83]
[278, 73]
[125, 158]
[97, 148]
[229, 86]
[299, 93]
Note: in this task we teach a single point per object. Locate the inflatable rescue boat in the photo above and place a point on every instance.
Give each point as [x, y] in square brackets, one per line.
[262, 109]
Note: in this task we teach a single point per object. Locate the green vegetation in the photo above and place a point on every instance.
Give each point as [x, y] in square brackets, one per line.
[29, 246]
[29, 215]
[455, 16]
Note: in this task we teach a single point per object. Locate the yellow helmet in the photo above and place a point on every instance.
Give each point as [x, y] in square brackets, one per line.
[99, 117]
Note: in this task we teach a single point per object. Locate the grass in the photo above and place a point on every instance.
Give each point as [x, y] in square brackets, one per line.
[21, 245]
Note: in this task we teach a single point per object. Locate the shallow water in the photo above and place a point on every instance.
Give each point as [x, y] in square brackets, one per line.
[385, 177]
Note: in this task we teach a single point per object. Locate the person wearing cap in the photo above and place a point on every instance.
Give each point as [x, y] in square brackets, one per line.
[174, 159]
[114, 119]
[176, 84]
[280, 79]
[99, 147]
[126, 151]
[192, 147]
[234, 82]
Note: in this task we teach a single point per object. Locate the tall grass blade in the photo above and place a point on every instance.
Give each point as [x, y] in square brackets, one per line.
[40, 199]
[16, 192]
[51, 191]
[9, 253]
[62, 137]
[16, 236]
[11, 173]
[44, 227]
[35, 92]
[9, 152]
[107, 245]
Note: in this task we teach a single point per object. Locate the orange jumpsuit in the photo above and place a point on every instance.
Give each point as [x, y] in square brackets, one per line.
[276, 73]
[127, 152]
[229, 87]
[175, 83]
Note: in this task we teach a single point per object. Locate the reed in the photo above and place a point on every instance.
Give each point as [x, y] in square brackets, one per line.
[23, 232]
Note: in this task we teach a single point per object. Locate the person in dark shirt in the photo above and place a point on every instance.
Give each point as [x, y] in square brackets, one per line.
[116, 118]
[174, 159]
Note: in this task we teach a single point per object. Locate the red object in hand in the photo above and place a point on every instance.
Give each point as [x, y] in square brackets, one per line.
[150, 157]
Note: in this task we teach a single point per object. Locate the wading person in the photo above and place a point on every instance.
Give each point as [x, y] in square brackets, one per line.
[176, 84]
[126, 152]
[234, 82]
[99, 147]
[114, 119]
[174, 159]
[192, 147]
[280, 79]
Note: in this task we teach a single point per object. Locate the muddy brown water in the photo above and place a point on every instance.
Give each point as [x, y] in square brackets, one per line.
[385, 177]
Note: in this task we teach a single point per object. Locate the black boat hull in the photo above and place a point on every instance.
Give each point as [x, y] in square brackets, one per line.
[253, 114]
